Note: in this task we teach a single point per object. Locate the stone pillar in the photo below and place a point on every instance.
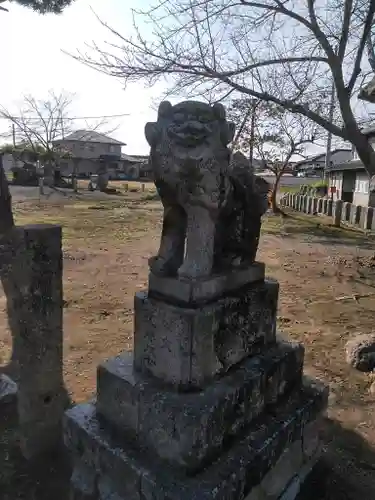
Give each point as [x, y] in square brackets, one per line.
[33, 287]
[329, 208]
[345, 215]
[293, 201]
[337, 211]
[366, 218]
[304, 208]
[314, 205]
[355, 215]
[301, 200]
[309, 205]
[325, 206]
[320, 206]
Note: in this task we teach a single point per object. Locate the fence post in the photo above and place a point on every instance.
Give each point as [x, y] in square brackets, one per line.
[337, 211]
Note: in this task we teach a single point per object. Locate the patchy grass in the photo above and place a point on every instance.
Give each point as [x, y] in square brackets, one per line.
[289, 189]
[327, 294]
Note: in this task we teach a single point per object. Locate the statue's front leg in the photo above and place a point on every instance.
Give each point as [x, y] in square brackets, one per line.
[171, 251]
[200, 236]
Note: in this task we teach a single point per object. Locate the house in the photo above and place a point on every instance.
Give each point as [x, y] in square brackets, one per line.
[314, 165]
[90, 152]
[135, 167]
[349, 181]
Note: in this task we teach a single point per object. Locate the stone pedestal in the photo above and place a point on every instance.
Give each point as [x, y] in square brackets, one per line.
[206, 407]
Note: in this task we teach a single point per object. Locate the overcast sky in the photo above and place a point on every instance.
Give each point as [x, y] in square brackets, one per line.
[32, 62]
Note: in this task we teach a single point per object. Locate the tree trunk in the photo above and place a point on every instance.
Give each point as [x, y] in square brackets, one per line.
[6, 215]
[274, 206]
[365, 151]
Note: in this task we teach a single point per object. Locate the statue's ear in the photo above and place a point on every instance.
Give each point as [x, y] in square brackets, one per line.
[219, 111]
[165, 109]
[151, 133]
[227, 132]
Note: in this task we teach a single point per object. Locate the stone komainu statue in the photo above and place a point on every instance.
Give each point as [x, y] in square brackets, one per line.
[212, 205]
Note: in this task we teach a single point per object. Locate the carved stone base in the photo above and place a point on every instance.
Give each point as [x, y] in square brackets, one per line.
[187, 346]
[106, 465]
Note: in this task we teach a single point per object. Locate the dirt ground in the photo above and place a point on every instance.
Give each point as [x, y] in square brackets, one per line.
[327, 294]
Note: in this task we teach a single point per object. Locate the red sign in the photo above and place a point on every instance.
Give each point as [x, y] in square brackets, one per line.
[332, 189]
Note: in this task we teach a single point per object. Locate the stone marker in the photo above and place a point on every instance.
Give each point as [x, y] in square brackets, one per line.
[33, 286]
[211, 403]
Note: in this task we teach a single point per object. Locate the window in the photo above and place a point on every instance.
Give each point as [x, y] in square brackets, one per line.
[91, 148]
[112, 148]
[362, 186]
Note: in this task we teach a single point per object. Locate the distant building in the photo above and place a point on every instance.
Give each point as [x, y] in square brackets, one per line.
[314, 165]
[91, 151]
[350, 180]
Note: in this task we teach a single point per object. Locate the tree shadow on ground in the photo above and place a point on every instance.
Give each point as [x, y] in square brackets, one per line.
[320, 229]
[346, 470]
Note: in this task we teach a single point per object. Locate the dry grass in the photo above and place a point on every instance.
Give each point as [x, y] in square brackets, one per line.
[106, 247]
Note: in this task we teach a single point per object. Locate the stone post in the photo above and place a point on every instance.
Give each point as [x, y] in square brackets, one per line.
[345, 216]
[309, 205]
[33, 286]
[314, 205]
[355, 214]
[329, 208]
[320, 205]
[366, 218]
[325, 206]
[337, 211]
[304, 207]
[300, 205]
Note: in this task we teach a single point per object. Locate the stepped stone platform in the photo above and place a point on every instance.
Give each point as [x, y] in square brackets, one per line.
[172, 421]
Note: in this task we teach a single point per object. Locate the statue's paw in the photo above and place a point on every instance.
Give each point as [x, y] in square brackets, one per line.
[161, 266]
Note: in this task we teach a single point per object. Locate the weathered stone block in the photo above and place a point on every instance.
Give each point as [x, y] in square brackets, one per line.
[189, 428]
[187, 347]
[201, 290]
[35, 310]
[240, 468]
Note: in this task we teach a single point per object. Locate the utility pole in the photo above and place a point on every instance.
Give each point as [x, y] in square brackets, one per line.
[14, 134]
[329, 136]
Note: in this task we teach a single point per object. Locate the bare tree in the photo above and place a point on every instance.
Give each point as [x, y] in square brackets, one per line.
[38, 126]
[42, 6]
[286, 52]
[278, 136]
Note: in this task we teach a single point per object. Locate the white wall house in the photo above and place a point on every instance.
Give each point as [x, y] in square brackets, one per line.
[351, 180]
